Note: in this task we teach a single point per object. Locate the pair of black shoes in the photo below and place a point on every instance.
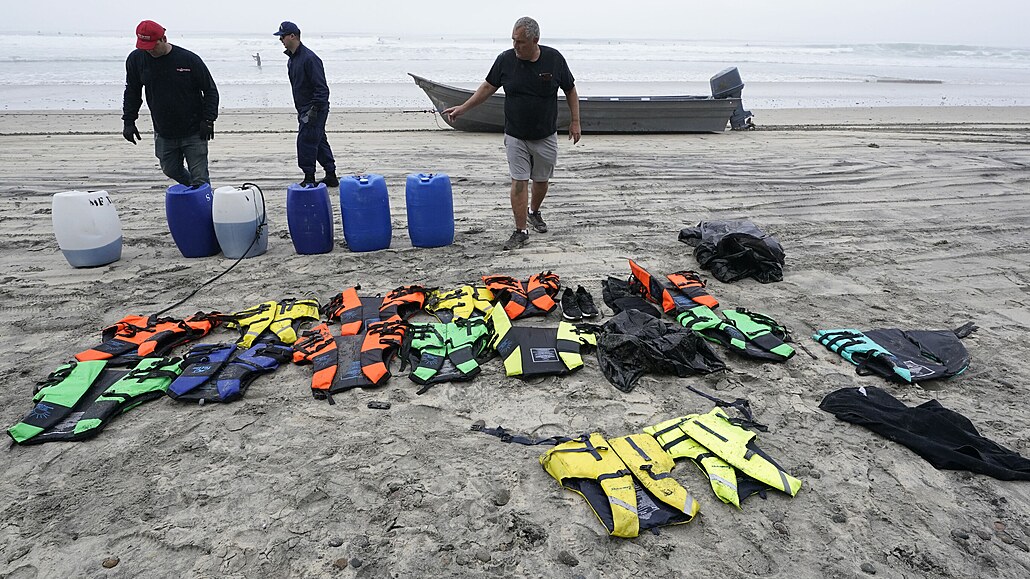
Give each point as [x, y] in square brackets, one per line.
[330, 180]
[577, 305]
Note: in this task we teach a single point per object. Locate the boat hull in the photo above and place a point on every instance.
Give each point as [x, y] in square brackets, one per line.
[657, 114]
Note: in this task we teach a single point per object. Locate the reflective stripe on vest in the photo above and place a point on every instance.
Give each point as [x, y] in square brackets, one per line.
[731, 443]
[583, 465]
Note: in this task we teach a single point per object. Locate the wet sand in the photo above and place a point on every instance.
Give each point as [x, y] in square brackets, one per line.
[916, 218]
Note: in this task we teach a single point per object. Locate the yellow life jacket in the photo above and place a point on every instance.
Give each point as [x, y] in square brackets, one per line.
[280, 318]
[538, 351]
[625, 481]
[721, 475]
[461, 303]
[727, 453]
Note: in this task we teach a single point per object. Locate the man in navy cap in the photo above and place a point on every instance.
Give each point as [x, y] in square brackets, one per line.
[182, 99]
[311, 97]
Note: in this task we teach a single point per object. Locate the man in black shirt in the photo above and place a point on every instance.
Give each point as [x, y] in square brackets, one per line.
[531, 75]
[182, 99]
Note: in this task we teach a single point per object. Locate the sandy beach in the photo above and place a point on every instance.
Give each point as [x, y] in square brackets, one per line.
[917, 218]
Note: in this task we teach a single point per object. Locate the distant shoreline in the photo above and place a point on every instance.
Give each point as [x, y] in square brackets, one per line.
[243, 121]
[909, 81]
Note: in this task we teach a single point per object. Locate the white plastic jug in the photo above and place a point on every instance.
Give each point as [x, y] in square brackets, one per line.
[87, 228]
[237, 212]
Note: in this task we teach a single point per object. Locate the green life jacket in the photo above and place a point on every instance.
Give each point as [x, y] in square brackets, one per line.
[79, 399]
[538, 351]
[625, 481]
[441, 352]
[752, 334]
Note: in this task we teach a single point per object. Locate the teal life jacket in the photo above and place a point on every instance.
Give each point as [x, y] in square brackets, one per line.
[902, 355]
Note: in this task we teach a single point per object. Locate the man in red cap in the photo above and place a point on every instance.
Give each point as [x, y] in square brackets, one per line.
[182, 99]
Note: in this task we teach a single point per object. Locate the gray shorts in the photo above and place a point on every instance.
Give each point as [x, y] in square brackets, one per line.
[531, 160]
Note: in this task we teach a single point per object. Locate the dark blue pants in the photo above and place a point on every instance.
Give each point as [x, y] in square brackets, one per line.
[312, 145]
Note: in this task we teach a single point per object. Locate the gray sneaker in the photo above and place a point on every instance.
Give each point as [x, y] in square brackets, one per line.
[537, 221]
[517, 240]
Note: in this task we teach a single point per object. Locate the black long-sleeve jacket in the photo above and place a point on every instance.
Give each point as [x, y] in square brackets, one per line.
[181, 94]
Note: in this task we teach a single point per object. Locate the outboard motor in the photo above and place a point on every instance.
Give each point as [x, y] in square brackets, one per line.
[727, 84]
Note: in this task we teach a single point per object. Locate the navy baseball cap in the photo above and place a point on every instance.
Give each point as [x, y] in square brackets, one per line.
[287, 28]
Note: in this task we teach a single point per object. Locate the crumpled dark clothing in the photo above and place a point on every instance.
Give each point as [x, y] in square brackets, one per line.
[734, 250]
[633, 343]
[945, 438]
[616, 294]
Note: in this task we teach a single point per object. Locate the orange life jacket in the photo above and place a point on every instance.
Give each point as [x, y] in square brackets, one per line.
[402, 303]
[651, 288]
[534, 297]
[145, 336]
[318, 347]
[353, 312]
[382, 340]
[691, 284]
[350, 361]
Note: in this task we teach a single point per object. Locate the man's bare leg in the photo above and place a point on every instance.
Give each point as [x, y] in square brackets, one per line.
[520, 200]
[539, 192]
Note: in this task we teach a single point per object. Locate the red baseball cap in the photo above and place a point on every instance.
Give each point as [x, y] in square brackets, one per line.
[148, 33]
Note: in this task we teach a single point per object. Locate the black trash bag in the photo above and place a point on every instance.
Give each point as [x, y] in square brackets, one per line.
[616, 294]
[734, 250]
[633, 343]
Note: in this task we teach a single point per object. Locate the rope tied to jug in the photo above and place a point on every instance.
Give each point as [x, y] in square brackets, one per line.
[257, 235]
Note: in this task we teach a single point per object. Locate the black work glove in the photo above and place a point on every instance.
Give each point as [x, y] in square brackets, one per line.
[130, 132]
[310, 114]
[209, 130]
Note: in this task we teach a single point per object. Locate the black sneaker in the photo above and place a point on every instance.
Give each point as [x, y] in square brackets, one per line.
[586, 303]
[570, 306]
[330, 179]
[537, 221]
[309, 180]
[518, 239]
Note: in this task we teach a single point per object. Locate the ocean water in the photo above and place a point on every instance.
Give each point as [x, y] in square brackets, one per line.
[49, 72]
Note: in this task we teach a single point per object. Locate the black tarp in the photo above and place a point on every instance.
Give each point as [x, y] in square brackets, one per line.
[945, 438]
[734, 250]
[633, 343]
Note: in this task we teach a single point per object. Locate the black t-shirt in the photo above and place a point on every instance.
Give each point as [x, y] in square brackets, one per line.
[531, 91]
[180, 92]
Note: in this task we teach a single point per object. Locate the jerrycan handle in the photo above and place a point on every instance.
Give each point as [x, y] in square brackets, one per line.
[425, 177]
[363, 179]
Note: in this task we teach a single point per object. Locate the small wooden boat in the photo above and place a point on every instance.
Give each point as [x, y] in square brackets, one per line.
[637, 114]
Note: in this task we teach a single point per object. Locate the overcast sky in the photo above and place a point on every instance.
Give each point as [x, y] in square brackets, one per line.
[983, 22]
